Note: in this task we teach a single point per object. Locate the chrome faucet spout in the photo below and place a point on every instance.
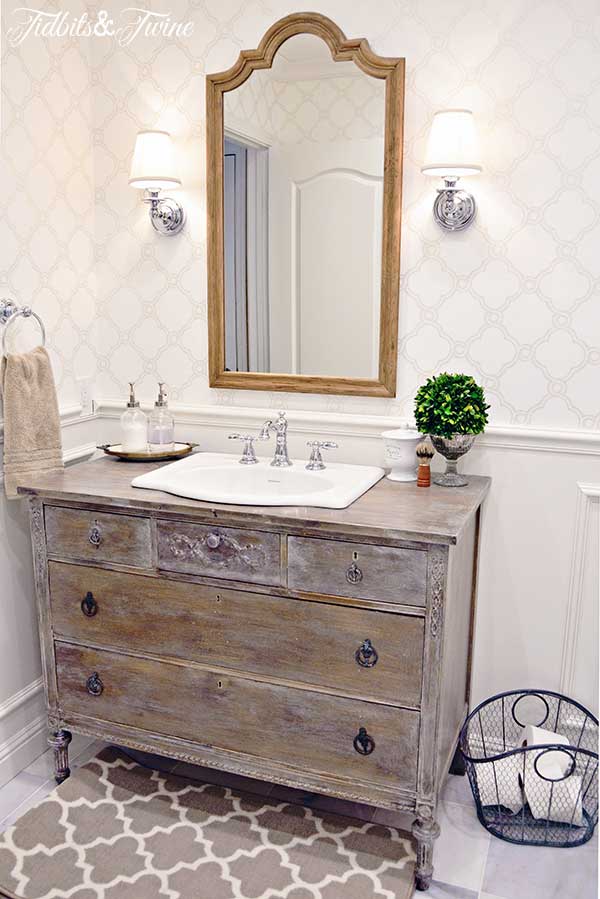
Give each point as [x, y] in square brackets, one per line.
[279, 427]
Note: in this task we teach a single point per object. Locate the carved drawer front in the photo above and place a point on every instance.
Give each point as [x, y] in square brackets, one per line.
[98, 536]
[214, 551]
[315, 731]
[358, 652]
[363, 571]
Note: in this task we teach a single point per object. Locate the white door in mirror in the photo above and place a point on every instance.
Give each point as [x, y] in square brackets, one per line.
[219, 478]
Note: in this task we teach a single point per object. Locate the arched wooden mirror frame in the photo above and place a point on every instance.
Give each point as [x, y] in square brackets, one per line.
[392, 71]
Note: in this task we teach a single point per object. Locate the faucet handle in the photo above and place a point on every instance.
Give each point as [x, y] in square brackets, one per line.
[248, 454]
[315, 463]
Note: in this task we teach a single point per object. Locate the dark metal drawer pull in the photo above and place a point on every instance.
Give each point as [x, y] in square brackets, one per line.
[94, 684]
[354, 574]
[363, 743]
[95, 534]
[89, 606]
[366, 655]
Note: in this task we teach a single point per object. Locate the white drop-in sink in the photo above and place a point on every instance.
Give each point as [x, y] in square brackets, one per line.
[219, 478]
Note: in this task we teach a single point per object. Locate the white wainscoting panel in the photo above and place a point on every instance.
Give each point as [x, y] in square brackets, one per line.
[579, 674]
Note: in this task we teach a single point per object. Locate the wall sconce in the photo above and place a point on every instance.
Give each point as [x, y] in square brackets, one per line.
[153, 169]
[453, 151]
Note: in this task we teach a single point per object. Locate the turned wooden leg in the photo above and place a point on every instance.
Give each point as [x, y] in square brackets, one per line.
[458, 763]
[59, 741]
[425, 830]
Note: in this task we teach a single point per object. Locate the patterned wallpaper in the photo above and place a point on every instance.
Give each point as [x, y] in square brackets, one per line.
[514, 300]
[320, 110]
[47, 196]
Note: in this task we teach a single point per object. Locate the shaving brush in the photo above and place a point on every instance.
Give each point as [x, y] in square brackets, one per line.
[424, 454]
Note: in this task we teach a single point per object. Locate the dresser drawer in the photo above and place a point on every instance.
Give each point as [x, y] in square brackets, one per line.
[280, 638]
[305, 730]
[213, 551]
[98, 536]
[363, 571]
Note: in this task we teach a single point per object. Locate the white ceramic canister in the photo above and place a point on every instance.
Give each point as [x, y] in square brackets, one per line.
[401, 453]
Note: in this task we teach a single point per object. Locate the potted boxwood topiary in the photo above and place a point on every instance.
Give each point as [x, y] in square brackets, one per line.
[452, 410]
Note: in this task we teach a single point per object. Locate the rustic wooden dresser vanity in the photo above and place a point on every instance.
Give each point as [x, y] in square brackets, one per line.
[327, 650]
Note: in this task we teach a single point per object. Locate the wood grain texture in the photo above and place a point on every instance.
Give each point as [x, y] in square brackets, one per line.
[119, 538]
[310, 730]
[389, 511]
[275, 771]
[241, 554]
[282, 639]
[388, 574]
[391, 70]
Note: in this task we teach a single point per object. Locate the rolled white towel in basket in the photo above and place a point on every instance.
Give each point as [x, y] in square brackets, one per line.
[498, 783]
[552, 793]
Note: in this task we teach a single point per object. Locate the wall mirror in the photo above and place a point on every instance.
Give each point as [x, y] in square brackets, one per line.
[304, 175]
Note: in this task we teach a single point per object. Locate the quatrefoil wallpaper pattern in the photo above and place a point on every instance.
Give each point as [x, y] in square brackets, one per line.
[514, 300]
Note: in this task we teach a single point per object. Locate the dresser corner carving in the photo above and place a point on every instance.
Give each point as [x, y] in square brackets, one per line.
[38, 540]
[437, 571]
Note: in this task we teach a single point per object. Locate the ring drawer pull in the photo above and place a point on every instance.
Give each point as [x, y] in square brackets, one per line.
[366, 655]
[94, 685]
[213, 541]
[363, 743]
[95, 534]
[89, 606]
[354, 574]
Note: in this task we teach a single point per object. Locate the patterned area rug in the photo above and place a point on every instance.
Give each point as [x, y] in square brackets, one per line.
[116, 830]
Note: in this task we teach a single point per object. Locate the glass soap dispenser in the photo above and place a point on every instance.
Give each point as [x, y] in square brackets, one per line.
[134, 426]
[161, 427]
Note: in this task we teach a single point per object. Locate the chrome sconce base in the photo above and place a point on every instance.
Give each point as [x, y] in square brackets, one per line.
[167, 215]
[454, 209]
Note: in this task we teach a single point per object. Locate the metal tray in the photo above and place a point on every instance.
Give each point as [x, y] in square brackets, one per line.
[178, 452]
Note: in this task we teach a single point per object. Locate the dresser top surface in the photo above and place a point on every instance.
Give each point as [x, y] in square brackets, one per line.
[390, 509]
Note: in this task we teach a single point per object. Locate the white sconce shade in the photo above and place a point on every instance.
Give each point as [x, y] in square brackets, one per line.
[153, 166]
[453, 145]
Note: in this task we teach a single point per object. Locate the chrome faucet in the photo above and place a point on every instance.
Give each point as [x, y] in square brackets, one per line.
[279, 427]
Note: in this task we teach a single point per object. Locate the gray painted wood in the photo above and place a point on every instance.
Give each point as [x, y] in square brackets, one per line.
[96, 536]
[282, 641]
[388, 574]
[388, 511]
[312, 643]
[213, 550]
[310, 730]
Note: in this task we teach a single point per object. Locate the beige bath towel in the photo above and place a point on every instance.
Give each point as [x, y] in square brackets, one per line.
[32, 442]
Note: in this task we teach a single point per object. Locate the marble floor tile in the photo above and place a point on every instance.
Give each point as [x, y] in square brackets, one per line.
[439, 890]
[460, 852]
[21, 792]
[457, 789]
[17, 791]
[540, 872]
[488, 896]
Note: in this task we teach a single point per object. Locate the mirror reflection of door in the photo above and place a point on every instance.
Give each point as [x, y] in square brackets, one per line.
[303, 178]
[245, 193]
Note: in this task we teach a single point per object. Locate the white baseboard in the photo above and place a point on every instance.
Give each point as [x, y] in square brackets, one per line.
[23, 730]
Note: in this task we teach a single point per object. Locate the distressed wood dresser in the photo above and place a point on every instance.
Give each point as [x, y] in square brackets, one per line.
[323, 649]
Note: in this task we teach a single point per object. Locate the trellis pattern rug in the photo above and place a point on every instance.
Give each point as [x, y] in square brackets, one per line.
[117, 830]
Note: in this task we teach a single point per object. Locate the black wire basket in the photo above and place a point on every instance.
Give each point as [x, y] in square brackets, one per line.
[536, 795]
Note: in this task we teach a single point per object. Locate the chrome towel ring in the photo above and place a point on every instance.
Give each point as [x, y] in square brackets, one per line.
[9, 312]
